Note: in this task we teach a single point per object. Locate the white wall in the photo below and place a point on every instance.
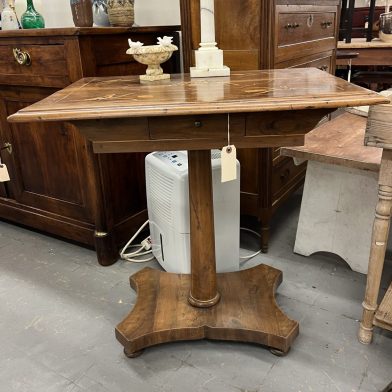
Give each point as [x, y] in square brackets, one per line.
[57, 13]
[365, 3]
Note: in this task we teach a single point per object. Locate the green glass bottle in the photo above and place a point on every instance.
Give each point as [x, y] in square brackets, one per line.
[32, 19]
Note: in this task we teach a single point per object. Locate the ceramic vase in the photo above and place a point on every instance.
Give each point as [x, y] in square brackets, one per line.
[386, 25]
[121, 12]
[100, 13]
[82, 13]
[9, 20]
[31, 19]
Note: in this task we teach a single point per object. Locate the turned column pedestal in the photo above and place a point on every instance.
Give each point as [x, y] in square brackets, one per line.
[171, 307]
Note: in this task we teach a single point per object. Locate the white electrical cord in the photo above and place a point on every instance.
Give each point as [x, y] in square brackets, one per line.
[144, 246]
[246, 258]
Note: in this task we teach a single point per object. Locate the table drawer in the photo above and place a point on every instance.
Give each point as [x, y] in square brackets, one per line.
[196, 127]
[284, 174]
[39, 65]
[301, 31]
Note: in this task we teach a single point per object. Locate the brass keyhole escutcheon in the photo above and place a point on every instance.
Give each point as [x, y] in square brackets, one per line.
[21, 57]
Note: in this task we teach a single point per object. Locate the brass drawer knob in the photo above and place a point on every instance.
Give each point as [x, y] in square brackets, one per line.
[323, 68]
[326, 24]
[21, 57]
[198, 124]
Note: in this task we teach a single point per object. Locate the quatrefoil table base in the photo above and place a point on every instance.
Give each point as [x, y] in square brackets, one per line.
[246, 312]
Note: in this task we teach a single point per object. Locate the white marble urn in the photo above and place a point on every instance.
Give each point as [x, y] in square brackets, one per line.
[153, 56]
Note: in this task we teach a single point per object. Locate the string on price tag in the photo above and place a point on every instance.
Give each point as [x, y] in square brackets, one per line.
[229, 158]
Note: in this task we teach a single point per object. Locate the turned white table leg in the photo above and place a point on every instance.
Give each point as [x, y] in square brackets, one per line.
[378, 248]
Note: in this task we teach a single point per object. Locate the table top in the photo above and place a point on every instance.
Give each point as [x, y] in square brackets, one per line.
[339, 142]
[360, 43]
[242, 92]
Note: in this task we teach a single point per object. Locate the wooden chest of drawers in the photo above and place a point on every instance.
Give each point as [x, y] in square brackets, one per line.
[57, 184]
[262, 34]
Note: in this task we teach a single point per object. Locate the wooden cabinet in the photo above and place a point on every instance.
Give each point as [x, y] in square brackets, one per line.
[57, 184]
[262, 34]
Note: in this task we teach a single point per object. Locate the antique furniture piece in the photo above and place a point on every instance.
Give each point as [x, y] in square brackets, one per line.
[57, 185]
[372, 53]
[353, 20]
[372, 63]
[378, 134]
[262, 109]
[265, 34]
[340, 191]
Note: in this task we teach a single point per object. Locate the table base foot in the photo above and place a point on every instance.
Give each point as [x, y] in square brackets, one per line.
[246, 312]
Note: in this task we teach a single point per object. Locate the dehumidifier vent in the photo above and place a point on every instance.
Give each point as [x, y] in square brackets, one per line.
[161, 193]
[216, 154]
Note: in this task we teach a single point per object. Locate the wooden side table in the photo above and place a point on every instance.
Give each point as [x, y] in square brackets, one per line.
[340, 191]
[378, 134]
[262, 109]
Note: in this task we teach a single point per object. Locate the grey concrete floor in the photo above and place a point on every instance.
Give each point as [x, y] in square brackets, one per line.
[58, 311]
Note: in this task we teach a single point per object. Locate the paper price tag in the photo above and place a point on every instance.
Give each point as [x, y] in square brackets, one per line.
[4, 176]
[229, 163]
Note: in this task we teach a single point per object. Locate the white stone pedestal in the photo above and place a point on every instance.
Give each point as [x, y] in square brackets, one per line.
[337, 213]
[209, 62]
[208, 58]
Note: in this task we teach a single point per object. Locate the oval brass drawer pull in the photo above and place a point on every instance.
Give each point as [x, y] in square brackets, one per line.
[292, 26]
[8, 147]
[21, 57]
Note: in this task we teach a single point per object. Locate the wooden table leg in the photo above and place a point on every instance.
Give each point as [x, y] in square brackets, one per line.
[203, 291]
[236, 306]
[378, 248]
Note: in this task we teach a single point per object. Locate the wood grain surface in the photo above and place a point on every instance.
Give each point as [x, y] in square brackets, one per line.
[383, 317]
[247, 311]
[339, 142]
[71, 31]
[203, 292]
[378, 129]
[250, 91]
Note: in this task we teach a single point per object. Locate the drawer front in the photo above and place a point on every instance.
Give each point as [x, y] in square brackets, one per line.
[196, 127]
[323, 62]
[301, 31]
[45, 66]
[285, 174]
[295, 28]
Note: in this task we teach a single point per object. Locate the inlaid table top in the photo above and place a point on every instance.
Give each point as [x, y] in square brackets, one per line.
[251, 91]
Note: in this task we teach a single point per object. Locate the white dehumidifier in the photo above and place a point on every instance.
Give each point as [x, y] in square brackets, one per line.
[168, 212]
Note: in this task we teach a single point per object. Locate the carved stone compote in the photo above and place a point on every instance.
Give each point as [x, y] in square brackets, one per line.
[153, 56]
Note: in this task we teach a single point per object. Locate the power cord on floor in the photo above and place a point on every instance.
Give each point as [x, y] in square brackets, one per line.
[246, 258]
[144, 248]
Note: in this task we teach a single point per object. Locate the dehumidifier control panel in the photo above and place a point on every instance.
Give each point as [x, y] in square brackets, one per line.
[176, 159]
